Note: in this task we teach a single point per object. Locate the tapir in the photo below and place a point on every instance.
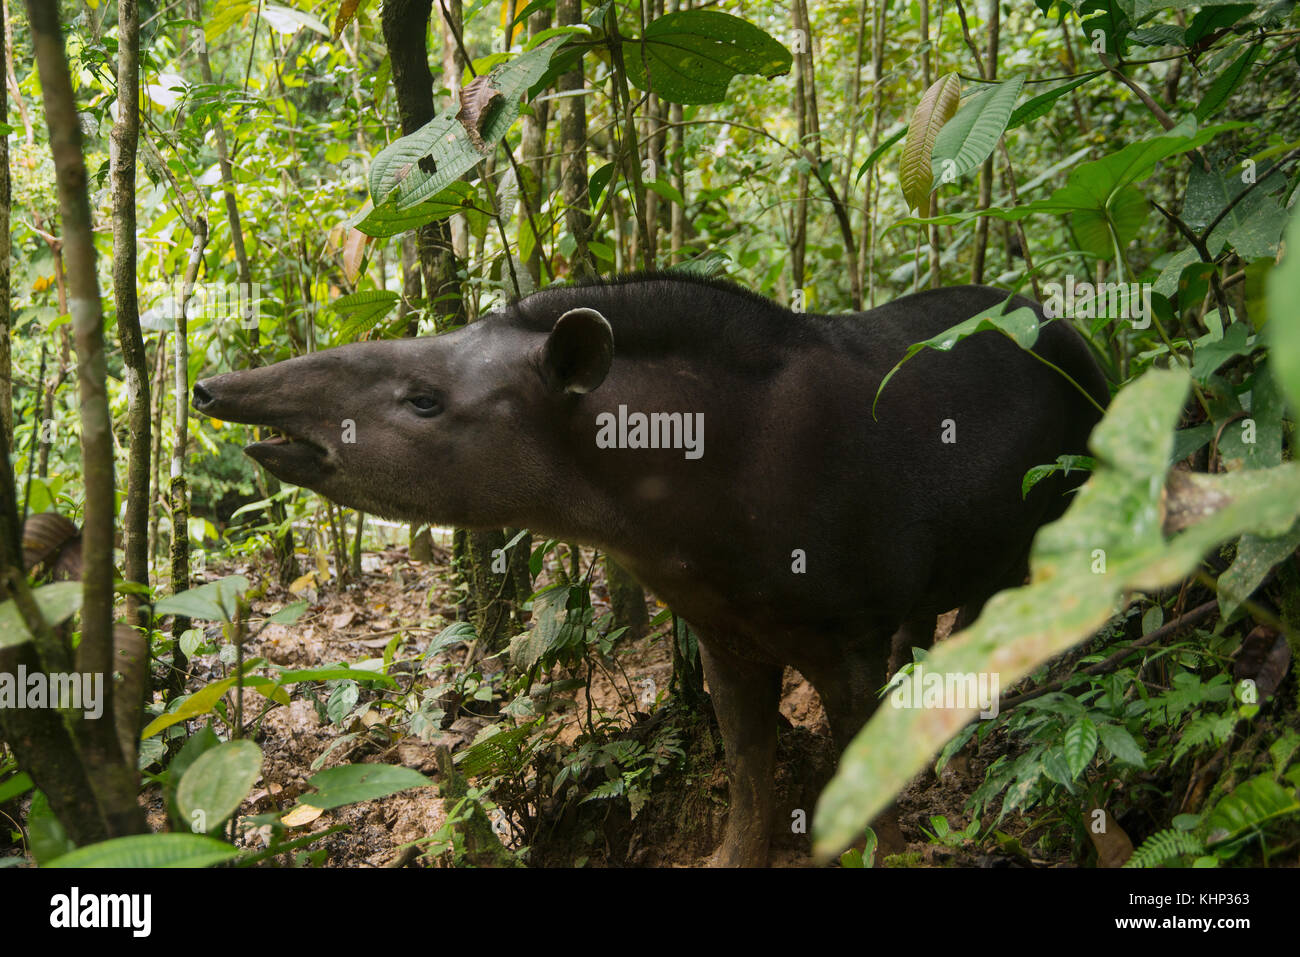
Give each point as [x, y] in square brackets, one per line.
[726, 451]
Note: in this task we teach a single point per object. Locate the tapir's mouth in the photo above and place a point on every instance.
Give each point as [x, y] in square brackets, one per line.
[291, 458]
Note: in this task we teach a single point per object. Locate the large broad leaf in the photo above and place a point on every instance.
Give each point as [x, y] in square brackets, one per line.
[58, 602]
[362, 311]
[416, 168]
[1253, 226]
[351, 783]
[691, 56]
[388, 220]
[214, 786]
[1109, 543]
[150, 850]
[1283, 329]
[1227, 81]
[969, 137]
[938, 105]
[1099, 196]
[215, 601]
[1043, 102]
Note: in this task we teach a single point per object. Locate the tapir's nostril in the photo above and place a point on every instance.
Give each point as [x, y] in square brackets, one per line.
[201, 395]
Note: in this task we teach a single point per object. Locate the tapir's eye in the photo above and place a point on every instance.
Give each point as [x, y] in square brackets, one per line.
[425, 405]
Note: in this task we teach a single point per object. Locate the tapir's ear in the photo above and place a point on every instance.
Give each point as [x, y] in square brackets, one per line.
[578, 351]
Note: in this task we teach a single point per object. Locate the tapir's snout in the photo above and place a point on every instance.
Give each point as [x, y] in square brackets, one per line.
[251, 397]
[202, 399]
[218, 397]
[296, 451]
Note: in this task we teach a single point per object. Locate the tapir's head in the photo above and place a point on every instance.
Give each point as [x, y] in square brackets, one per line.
[467, 428]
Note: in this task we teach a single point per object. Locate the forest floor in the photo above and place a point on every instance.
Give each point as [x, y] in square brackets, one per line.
[680, 823]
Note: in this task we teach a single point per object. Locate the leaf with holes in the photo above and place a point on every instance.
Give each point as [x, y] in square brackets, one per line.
[416, 168]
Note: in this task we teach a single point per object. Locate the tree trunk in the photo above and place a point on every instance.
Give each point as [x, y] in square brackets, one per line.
[125, 140]
[178, 490]
[112, 778]
[158, 395]
[986, 171]
[573, 155]
[6, 319]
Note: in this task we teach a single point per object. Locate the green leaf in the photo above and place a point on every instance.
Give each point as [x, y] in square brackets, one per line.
[1253, 226]
[1020, 326]
[389, 218]
[969, 137]
[416, 168]
[1256, 557]
[288, 614]
[1097, 194]
[362, 311]
[1283, 329]
[1080, 745]
[899, 132]
[216, 784]
[351, 783]
[1227, 81]
[57, 601]
[203, 740]
[215, 601]
[691, 56]
[915, 170]
[334, 673]
[225, 15]
[1063, 463]
[201, 702]
[1039, 105]
[1249, 806]
[1210, 353]
[599, 180]
[1122, 744]
[150, 850]
[20, 783]
[46, 838]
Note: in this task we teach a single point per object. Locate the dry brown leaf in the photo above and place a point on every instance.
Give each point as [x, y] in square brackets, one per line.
[475, 100]
[301, 815]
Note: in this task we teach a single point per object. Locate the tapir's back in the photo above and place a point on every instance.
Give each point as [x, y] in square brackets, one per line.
[920, 490]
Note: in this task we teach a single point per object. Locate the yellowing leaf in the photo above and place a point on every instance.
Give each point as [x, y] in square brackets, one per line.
[301, 584]
[937, 107]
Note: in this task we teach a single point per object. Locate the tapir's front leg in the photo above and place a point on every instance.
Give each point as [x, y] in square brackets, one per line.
[746, 696]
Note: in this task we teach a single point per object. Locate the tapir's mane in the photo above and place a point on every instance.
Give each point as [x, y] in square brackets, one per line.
[656, 313]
